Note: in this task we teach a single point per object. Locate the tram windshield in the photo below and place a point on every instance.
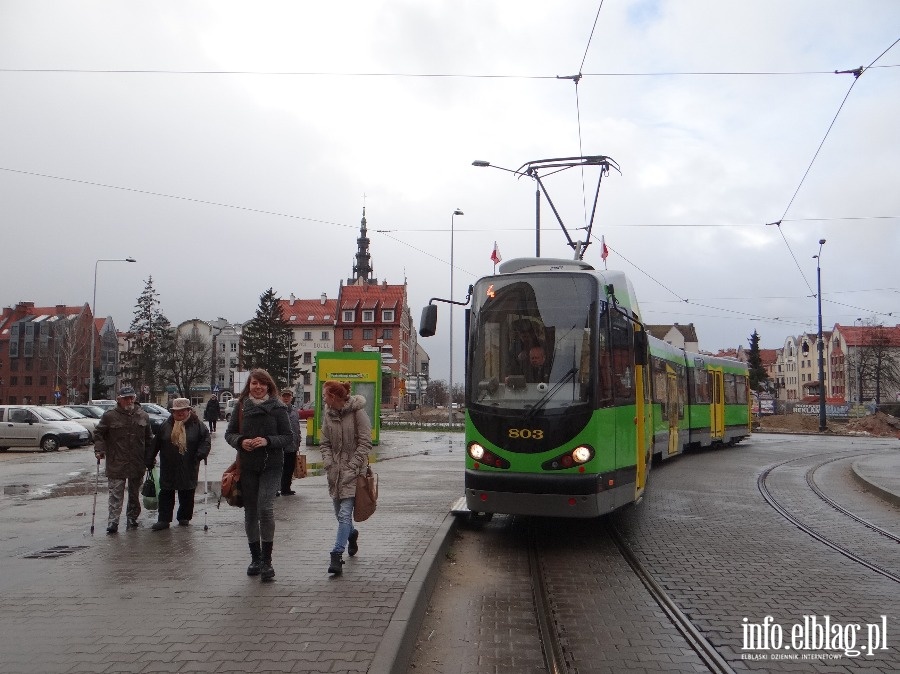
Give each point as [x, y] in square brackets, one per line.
[530, 341]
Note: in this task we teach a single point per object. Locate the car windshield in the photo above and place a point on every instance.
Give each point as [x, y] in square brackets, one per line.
[154, 409]
[48, 414]
[69, 413]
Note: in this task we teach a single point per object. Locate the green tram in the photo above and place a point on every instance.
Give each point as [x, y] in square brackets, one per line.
[568, 398]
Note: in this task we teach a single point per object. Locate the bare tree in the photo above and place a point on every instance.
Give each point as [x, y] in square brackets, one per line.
[875, 363]
[70, 354]
[188, 361]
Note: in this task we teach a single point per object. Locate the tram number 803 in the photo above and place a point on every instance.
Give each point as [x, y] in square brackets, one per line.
[526, 434]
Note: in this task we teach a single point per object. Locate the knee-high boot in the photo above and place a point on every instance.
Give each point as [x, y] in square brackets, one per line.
[268, 573]
[255, 554]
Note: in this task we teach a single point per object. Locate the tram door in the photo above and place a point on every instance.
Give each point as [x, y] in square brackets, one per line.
[672, 408]
[717, 406]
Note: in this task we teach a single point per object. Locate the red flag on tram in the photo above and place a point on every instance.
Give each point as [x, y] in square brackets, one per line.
[495, 254]
[604, 251]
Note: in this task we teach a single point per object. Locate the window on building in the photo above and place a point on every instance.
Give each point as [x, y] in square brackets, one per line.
[388, 333]
[348, 316]
[43, 381]
[387, 316]
[368, 333]
[348, 334]
[27, 381]
[368, 316]
[307, 336]
[13, 381]
[307, 357]
[326, 335]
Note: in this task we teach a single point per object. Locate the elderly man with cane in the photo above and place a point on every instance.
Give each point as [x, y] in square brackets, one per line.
[122, 438]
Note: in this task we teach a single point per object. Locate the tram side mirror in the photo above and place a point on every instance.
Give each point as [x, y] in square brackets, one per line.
[428, 324]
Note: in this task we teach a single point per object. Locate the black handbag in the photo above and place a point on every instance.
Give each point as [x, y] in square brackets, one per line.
[149, 488]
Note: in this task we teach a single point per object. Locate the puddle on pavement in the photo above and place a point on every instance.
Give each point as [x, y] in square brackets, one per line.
[79, 485]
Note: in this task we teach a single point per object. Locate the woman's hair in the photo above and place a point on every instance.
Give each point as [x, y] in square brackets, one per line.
[339, 389]
[260, 375]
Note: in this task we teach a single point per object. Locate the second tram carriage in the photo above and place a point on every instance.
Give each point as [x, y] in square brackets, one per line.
[568, 398]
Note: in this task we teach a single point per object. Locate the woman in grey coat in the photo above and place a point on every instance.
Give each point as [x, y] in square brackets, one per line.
[346, 443]
[260, 430]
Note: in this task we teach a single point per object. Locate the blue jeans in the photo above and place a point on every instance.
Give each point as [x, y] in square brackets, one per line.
[343, 510]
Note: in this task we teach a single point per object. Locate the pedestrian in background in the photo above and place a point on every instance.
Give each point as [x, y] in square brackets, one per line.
[212, 412]
[122, 437]
[259, 430]
[290, 452]
[346, 443]
[181, 443]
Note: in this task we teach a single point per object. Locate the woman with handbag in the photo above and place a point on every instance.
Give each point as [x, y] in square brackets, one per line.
[346, 443]
[259, 430]
[182, 442]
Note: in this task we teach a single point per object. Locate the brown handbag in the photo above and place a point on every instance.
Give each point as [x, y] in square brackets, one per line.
[366, 495]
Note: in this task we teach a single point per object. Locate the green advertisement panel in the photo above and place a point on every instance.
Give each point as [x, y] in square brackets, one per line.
[362, 370]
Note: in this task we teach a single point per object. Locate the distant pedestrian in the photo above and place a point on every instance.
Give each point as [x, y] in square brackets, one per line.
[122, 438]
[181, 443]
[260, 430]
[290, 452]
[212, 412]
[346, 443]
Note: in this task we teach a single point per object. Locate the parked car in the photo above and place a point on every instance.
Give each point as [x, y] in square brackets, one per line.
[157, 414]
[228, 407]
[35, 426]
[306, 411]
[90, 423]
[91, 411]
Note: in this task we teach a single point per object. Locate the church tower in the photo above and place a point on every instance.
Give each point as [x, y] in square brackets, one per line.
[362, 270]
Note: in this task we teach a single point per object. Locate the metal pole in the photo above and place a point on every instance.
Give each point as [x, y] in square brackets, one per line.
[93, 324]
[450, 404]
[537, 220]
[822, 425]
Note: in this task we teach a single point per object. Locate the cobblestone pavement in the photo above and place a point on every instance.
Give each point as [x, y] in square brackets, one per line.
[714, 544]
[179, 600]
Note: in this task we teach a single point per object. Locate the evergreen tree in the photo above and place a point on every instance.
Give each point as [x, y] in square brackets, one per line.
[758, 373]
[268, 342]
[151, 340]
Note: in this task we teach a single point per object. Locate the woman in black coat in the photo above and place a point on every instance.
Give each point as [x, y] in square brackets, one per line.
[260, 430]
[211, 413]
[181, 443]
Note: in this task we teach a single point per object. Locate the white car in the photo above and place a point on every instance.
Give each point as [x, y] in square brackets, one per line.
[35, 426]
[76, 416]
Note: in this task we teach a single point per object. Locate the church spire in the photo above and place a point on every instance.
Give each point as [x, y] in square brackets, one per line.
[362, 270]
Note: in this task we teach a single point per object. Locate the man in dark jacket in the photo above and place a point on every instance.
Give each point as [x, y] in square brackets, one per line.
[290, 452]
[122, 438]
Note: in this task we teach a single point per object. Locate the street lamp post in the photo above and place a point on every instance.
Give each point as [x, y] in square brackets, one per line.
[452, 227]
[821, 343]
[93, 325]
[215, 331]
[537, 201]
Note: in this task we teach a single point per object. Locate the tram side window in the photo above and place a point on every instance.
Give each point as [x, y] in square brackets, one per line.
[622, 355]
[701, 387]
[659, 379]
[741, 386]
[681, 375]
[730, 390]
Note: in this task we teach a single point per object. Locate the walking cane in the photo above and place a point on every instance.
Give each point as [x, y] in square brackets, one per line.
[96, 489]
[205, 493]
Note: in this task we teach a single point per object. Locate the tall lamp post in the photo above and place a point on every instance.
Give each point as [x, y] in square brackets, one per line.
[537, 202]
[452, 227]
[821, 343]
[93, 329]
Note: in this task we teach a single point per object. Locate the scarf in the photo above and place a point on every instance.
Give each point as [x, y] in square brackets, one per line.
[179, 438]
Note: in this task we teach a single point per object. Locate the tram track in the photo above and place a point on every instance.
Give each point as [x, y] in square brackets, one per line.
[549, 628]
[781, 509]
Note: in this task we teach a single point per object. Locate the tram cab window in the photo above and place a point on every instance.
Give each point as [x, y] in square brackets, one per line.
[621, 347]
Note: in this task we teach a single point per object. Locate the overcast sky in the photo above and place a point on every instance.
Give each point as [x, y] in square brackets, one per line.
[228, 148]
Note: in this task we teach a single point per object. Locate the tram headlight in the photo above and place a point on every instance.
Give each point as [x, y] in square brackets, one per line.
[476, 451]
[582, 454]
